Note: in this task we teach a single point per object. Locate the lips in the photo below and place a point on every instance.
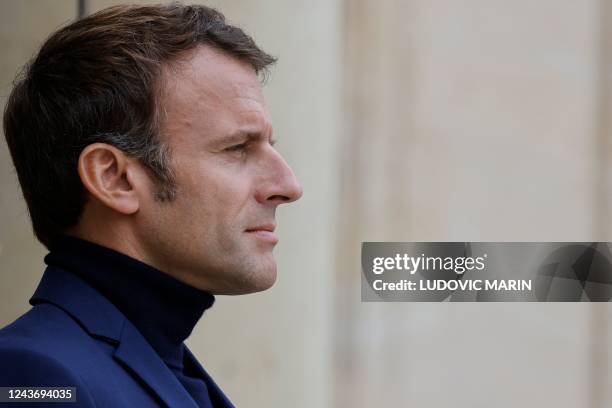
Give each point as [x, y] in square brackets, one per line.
[264, 232]
[263, 227]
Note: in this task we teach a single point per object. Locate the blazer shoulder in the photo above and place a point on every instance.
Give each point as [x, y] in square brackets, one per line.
[51, 330]
[45, 325]
[23, 367]
[37, 350]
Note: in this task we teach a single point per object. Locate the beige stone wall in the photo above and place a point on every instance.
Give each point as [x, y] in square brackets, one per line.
[472, 121]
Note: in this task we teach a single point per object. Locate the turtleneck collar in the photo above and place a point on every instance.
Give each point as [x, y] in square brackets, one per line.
[164, 309]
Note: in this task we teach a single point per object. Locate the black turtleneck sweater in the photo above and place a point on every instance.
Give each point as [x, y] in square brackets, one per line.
[161, 307]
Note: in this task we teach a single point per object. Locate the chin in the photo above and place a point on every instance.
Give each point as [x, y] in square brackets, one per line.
[259, 282]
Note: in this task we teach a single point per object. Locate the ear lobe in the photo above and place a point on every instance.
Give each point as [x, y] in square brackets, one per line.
[105, 172]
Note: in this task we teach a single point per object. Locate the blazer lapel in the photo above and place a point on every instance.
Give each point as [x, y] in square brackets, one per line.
[139, 356]
[216, 395]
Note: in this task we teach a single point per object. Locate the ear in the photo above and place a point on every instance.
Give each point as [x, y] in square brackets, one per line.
[109, 174]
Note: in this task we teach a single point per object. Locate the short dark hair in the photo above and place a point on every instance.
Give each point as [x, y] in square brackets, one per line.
[98, 80]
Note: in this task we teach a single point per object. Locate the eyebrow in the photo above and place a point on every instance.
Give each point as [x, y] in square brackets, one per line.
[241, 135]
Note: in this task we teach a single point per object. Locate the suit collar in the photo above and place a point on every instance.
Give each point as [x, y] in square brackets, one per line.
[96, 315]
[102, 319]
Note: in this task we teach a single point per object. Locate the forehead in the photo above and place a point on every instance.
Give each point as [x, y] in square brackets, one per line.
[207, 89]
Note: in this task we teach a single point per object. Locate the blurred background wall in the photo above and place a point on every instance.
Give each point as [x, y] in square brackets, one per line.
[414, 120]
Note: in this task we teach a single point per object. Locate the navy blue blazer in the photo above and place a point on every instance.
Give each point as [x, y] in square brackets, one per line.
[75, 337]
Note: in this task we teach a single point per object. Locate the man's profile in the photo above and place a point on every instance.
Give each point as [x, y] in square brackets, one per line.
[143, 146]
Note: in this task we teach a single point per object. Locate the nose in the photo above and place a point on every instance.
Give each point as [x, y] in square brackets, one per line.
[280, 185]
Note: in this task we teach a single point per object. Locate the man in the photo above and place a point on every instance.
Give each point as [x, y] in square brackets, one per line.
[144, 150]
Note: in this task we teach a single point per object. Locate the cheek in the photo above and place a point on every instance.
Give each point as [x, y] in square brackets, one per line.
[215, 196]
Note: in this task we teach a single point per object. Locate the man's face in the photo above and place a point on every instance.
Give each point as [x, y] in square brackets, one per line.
[218, 234]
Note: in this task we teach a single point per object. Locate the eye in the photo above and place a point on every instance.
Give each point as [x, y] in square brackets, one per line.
[237, 148]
